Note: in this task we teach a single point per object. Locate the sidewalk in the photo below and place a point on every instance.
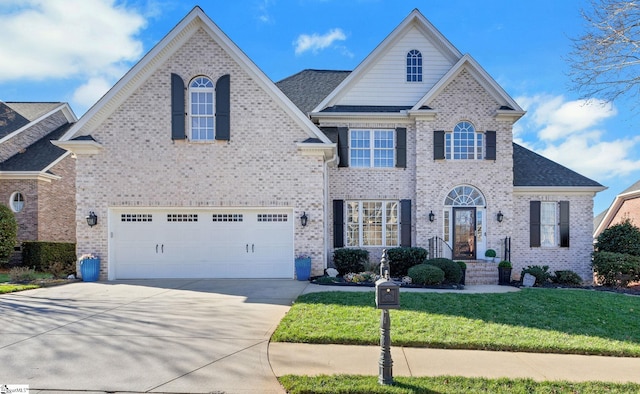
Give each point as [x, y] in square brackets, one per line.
[312, 359]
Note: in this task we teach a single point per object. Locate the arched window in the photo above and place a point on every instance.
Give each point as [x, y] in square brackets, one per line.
[414, 66]
[464, 195]
[464, 143]
[16, 202]
[201, 94]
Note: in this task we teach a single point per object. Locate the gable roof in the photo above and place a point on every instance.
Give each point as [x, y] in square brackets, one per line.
[16, 117]
[414, 19]
[39, 156]
[183, 31]
[308, 88]
[604, 219]
[10, 120]
[533, 170]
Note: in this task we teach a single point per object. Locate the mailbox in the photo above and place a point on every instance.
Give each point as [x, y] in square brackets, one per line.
[387, 294]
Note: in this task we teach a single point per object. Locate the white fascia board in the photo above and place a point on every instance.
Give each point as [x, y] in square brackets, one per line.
[414, 18]
[66, 111]
[80, 147]
[327, 151]
[592, 190]
[28, 175]
[359, 116]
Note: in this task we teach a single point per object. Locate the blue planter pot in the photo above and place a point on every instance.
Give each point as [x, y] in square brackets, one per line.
[303, 268]
[90, 269]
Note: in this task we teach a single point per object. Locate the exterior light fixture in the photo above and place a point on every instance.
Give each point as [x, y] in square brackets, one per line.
[92, 219]
[303, 219]
[499, 216]
[432, 216]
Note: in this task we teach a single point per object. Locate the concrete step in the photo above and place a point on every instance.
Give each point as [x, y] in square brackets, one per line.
[481, 273]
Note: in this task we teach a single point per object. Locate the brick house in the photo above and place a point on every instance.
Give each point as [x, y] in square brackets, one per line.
[625, 205]
[198, 165]
[37, 179]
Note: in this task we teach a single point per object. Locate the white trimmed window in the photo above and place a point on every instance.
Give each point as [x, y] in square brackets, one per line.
[16, 202]
[372, 223]
[414, 66]
[548, 224]
[202, 113]
[372, 148]
[464, 143]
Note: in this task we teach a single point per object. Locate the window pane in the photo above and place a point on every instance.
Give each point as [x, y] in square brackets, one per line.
[372, 223]
[353, 224]
[548, 224]
[391, 236]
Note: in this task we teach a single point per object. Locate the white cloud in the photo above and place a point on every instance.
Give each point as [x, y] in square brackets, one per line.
[570, 133]
[62, 38]
[89, 93]
[316, 42]
[264, 15]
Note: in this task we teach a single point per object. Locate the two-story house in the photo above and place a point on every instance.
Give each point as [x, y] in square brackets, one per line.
[198, 165]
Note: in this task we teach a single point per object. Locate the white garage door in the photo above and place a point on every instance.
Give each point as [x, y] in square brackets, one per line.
[248, 243]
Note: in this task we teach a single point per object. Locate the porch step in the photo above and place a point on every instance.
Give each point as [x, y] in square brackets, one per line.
[481, 273]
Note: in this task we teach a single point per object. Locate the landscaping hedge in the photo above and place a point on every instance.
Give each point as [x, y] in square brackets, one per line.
[349, 260]
[426, 274]
[452, 271]
[40, 255]
[401, 259]
[616, 269]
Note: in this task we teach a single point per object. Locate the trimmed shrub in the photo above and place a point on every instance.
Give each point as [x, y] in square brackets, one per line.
[401, 259]
[21, 274]
[462, 264]
[41, 254]
[426, 274]
[8, 233]
[540, 272]
[620, 238]
[349, 260]
[616, 269]
[567, 277]
[490, 253]
[452, 271]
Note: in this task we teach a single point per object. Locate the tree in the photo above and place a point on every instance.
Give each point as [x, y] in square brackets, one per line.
[8, 233]
[620, 238]
[605, 60]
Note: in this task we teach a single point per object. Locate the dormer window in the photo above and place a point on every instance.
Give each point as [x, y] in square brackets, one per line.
[201, 93]
[414, 66]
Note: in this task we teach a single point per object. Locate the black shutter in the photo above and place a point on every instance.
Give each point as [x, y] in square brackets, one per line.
[338, 223]
[343, 146]
[223, 108]
[331, 133]
[534, 223]
[401, 147]
[490, 153]
[405, 223]
[564, 224]
[438, 145]
[177, 108]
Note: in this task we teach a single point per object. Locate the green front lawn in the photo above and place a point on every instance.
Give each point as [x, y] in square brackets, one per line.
[10, 288]
[338, 384]
[531, 320]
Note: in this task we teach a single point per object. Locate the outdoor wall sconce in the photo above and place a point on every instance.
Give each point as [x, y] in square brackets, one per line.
[432, 216]
[499, 216]
[92, 219]
[303, 219]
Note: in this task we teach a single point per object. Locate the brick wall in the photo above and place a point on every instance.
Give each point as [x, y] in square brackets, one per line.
[57, 204]
[27, 218]
[630, 209]
[141, 166]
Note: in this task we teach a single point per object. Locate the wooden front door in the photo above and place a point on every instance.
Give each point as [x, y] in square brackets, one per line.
[464, 233]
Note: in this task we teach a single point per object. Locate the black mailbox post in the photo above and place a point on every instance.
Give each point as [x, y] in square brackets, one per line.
[387, 297]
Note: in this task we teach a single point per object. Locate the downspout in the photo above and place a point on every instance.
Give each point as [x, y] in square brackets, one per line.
[333, 160]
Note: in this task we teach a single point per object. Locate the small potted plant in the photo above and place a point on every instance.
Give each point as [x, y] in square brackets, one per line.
[490, 254]
[303, 266]
[504, 272]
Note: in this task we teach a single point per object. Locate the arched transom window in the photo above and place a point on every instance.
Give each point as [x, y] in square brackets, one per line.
[414, 66]
[201, 94]
[464, 196]
[464, 143]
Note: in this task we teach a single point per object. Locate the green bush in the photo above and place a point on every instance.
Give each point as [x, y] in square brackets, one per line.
[620, 238]
[349, 260]
[401, 259]
[426, 274]
[41, 254]
[616, 269]
[490, 253]
[8, 233]
[462, 264]
[21, 274]
[567, 277]
[505, 264]
[540, 272]
[452, 271]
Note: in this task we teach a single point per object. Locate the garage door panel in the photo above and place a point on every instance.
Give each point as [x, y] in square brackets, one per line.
[249, 243]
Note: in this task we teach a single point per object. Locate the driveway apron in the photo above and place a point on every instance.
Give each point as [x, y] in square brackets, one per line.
[195, 336]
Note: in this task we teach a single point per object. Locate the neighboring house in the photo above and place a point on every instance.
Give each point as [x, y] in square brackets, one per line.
[197, 165]
[37, 179]
[626, 205]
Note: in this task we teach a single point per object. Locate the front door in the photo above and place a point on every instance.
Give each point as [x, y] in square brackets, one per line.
[464, 233]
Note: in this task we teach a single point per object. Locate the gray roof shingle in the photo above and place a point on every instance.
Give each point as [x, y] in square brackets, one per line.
[531, 169]
[38, 155]
[308, 88]
[10, 120]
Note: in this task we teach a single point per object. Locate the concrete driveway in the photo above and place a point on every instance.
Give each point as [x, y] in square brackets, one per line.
[187, 336]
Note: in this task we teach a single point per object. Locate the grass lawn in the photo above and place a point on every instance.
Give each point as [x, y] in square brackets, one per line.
[10, 288]
[443, 384]
[531, 320]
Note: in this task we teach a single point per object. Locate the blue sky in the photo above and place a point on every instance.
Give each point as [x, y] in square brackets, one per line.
[75, 50]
